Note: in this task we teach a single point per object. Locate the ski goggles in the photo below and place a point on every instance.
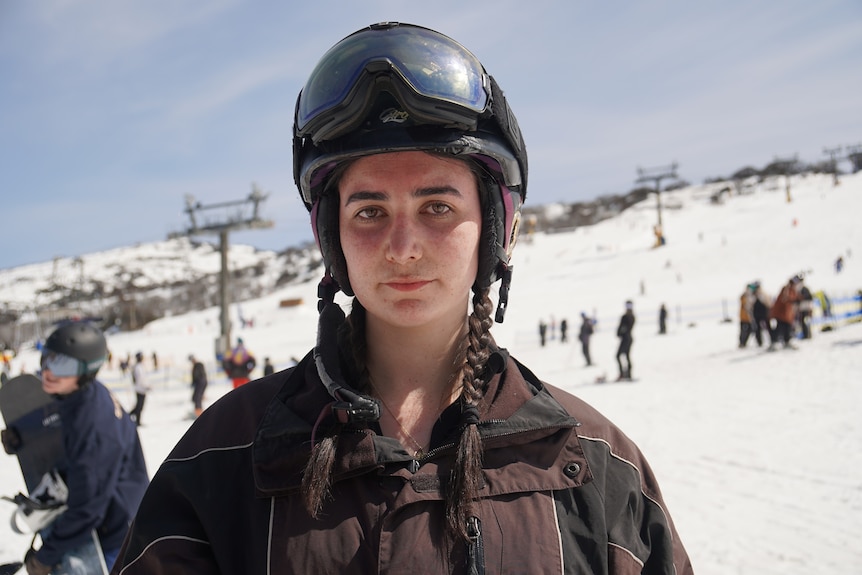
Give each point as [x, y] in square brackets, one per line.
[434, 77]
[61, 365]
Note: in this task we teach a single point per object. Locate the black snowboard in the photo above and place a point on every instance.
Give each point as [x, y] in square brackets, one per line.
[35, 416]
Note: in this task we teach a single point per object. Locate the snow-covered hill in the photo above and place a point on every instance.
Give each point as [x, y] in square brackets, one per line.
[759, 454]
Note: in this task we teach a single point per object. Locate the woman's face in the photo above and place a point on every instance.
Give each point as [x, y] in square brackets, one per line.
[410, 224]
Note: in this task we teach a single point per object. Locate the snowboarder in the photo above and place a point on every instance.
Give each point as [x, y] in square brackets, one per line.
[543, 331]
[407, 440]
[624, 333]
[104, 466]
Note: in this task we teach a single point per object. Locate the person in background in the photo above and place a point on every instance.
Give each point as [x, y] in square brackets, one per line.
[407, 440]
[624, 333]
[746, 319]
[760, 312]
[268, 368]
[103, 467]
[238, 364]
[783, 311]
[806, 308]
[662, 319]
[585, 333]
[199, 385]
[141, 387]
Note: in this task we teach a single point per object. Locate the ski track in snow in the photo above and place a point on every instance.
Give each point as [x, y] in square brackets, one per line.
[759, 455]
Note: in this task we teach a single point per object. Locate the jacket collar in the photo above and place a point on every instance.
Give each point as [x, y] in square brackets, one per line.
[517, 411]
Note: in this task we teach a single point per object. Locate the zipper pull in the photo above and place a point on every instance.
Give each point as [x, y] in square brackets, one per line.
[475, 549]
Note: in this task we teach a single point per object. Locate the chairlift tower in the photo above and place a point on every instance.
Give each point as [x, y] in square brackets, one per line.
[833, 154]
[220, 219]
[785, 166]
[656, 175]
[854, 154]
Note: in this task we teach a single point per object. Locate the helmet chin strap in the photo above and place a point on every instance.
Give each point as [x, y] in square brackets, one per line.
[349, 406]
[503, 300]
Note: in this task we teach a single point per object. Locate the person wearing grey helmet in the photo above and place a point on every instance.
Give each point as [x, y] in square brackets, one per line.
[103, 464]
[406, 440]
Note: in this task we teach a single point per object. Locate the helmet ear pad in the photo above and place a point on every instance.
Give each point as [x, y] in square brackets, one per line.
[328, 234]
[501, 209]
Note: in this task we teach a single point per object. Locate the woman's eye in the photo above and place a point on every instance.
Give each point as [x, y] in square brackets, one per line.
[368, 213]
[439, 208]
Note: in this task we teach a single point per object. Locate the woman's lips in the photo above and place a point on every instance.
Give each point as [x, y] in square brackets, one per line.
[407, 285]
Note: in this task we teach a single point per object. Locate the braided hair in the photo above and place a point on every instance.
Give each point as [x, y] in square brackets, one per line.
[466, 477]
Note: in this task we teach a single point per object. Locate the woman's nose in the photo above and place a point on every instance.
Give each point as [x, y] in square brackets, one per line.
[403, 241]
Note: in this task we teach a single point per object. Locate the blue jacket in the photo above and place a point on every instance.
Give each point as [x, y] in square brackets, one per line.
[104, 469]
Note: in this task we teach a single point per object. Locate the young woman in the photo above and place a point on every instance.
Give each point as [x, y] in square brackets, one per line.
[406, 441]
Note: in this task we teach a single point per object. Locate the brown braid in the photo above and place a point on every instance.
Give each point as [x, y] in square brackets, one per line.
[318, 473]
[317, 478]
[466, 478]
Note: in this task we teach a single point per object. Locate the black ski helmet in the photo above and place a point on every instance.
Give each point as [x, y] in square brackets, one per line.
[82, 341]
[397, 87]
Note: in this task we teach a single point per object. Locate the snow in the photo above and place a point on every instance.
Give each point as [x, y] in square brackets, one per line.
[759, 454]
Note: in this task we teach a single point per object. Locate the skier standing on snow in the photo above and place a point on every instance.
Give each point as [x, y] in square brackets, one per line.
[199, 385]
[746, 320]
[238, 364]
[103, 465]
[268, 368]
[407, 440]
[584, 335]
[662, 319]
[805, 309]
[624, 332]
[760, 313]
[783, 311]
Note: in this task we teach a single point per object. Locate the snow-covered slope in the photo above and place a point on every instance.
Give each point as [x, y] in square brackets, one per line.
[759, 454]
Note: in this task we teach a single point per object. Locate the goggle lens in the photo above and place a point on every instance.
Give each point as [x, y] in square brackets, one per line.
[431, 64]
[60, 365]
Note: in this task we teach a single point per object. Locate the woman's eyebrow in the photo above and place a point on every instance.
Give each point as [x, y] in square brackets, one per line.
[437, 191]
[365, 196]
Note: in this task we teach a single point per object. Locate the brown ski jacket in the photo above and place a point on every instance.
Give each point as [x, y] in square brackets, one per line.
[564, 492]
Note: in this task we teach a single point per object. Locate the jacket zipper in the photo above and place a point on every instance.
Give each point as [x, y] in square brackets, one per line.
[476, 548]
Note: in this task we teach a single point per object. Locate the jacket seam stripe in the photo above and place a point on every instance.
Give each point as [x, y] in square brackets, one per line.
[269, 538]
[159, 540]
[633, 556]
[199, 453]
[559, 534]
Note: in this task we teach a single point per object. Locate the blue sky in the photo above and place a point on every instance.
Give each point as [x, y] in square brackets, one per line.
[112, 111]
